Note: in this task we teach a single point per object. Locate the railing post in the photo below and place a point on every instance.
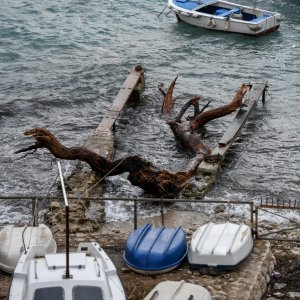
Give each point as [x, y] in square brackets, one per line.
[162, 212]
[256, 223]
[251, 218]
[135, 214]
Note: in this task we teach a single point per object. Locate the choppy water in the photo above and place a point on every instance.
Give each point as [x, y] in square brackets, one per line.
[62, 63]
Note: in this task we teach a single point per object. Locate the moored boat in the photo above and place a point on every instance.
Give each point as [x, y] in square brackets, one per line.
[14, 240]
[41, 276]
[220, 245]
[226, 16]
[151, 250]
[87, 274]
[178, 290]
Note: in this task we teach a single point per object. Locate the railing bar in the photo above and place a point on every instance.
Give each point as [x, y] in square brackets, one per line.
[40, 198]
[135, 214]
[270, 212]
[281, 230]
[279, 239]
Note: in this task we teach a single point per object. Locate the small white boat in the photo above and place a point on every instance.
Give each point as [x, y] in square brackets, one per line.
[14, 239]
[226, 16]
[220, 245]
[178, 290]
[87, 274]
[40, 276]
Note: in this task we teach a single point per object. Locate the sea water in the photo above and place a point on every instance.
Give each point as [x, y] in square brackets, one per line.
[63, 62]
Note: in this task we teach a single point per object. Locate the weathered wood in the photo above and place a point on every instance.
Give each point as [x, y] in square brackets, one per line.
[141, 172]
[221, 111]
[169, 101]
[101, 140]
[233, 130]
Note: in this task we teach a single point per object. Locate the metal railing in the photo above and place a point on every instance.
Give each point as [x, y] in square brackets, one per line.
[253, 209]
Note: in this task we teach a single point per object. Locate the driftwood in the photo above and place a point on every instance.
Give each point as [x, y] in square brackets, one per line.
[186, 131]
[141, 172]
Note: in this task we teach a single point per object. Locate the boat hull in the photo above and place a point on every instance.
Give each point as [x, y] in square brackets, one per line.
[226, 16]
[11, 243]
[177, 290]
[220, 245]
[151, 250]
[92, 275]
[232, 26]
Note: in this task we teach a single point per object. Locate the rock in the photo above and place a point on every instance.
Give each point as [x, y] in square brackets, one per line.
[278, 295]
[279, 286]
[218, 287]
[293, 295]
[125, 270]
[220, 297]
[54, 205]
[211, 289]
[79, 234]
[219, 208]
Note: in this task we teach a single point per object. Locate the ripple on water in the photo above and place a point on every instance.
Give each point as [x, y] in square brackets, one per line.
[63, 62]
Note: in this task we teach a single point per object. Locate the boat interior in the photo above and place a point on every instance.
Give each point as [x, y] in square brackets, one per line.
[217, 8]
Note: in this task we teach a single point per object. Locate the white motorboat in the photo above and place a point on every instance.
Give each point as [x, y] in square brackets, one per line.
[87, 274]
[13, 240]
[226, 16]
[40, 276]
[178, 290]
[220, 245]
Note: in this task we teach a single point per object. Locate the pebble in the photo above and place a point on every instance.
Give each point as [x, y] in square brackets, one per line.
[80, 234]
[294, 295]
[278, 295]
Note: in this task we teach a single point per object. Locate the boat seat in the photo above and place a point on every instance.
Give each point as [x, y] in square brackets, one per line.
[230, 12]
[186, 4]
[197, 1]
[257, 20]
[204, 3]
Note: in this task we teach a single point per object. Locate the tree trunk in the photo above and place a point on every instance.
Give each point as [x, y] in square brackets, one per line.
[141, 172]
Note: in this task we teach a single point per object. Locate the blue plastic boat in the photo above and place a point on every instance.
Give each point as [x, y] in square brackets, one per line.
[151, 250]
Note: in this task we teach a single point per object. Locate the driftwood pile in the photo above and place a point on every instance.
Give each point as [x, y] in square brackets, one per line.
[187, 131]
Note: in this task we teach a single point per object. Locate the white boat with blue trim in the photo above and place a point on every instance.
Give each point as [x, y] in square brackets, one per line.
[226, 16]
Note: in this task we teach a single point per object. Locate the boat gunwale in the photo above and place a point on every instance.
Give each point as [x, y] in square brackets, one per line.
[195, 13]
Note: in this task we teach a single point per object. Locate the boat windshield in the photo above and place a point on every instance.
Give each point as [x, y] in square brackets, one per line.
[50, 293]
[79, 292]
[82, 292]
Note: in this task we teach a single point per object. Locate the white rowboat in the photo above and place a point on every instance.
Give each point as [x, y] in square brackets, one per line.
[226, 16]
[220, 245]
[178, 290]
[11, 243]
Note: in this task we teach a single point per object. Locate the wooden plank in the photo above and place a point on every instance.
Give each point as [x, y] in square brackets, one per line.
[95, 141]
[234, 128]
[243, 114]
[237, 124]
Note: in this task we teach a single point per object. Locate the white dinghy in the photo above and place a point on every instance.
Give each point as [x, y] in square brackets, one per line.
[87, 274]
[13, 241]
[226, 16]
[220, 245]
[178, 290]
